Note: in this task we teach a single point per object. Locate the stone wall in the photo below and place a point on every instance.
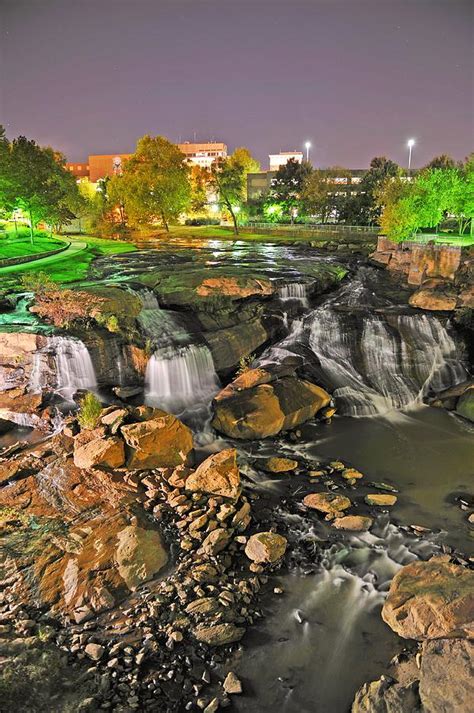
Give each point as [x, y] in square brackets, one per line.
[418, 262]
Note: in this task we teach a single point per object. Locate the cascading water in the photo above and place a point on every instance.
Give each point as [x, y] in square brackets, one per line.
[177, 379]
[376, 364]
[73, 368]
[294, 291]
[161, 326]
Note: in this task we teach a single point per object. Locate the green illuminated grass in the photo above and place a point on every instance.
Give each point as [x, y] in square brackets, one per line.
[76, 269]
[12, 246]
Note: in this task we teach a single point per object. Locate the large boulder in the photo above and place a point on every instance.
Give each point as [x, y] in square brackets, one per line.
[429, 600]
[433, 300]
[229, 345]
[100, 452]
[386, 696]
[446, 681]
[235, 287]
[139, 555]
[161, 442]
[268, 408]
[217, 475]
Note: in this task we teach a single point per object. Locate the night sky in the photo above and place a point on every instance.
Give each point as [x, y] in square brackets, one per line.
[355, 77]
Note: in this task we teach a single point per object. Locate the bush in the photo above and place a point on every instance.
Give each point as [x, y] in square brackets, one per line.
[63, 307]
[90, 409]
[37, 282]
[245, 363]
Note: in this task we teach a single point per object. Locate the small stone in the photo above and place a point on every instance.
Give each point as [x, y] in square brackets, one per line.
[354, 523]
[265, 547]
[94, 651]
[232, 684]
[279, 465]
[379, 499]
[212, 706]
[219, 634]
[351, 473]
[327, 502]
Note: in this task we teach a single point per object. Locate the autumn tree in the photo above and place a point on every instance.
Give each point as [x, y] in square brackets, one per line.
[155, 182]
[229, 176]
[320, 191]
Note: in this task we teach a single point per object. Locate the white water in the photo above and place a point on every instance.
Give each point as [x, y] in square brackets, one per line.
[73, 368]
[179, 378]
[294, 291]
[375, 367]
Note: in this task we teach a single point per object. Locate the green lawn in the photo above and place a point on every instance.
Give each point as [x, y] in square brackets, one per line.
[76, 269]
[11, 246]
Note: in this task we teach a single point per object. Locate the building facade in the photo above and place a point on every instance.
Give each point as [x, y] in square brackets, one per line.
[203, 154]
[280, 159]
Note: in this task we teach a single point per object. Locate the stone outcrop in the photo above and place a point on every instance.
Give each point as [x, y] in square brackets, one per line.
[446, 682]
[417, 261]
[162, 441]
[465, 404]
[265, 409]
[441, 300]
[229, 345]
[217, 475]
[433, 599]
[234, 287]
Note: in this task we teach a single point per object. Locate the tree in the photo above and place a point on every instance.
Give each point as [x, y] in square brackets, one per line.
[155, 182]
[37, 182]
[319, 192]
[288, 184]
[229, 178]
[399, 218]
[201, 186]
[441, 161]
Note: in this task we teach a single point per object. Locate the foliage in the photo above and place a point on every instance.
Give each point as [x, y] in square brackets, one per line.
[245, 364]
[35, 179]
[90, 409]
[63, 307]
[37, 282]
[320, 193]
[287, 186]
[425, 202]
[202, 220]
[229, 178]
[155, 183]
[442, 161]
[201, 187]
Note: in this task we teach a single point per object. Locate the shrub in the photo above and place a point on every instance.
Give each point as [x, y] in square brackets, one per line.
[37, 282]
[90, 409]
[62, 307]
[245, 364]
[202, 221]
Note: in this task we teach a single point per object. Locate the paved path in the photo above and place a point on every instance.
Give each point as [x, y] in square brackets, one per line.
[75, 247]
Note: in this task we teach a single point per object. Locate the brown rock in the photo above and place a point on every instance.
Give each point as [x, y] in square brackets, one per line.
[265, 547]
[433, 300]
[380, 499]
[161, 442]
[220, 634]
[386, 696]
[232, 684]
[279, 465]
[236, 287]
[446, 681]
[327, 502]
[217, 475]
[216, 541]
[140, 555]
[430, 600]
[204, 605]
[94, 651]
[100, 452]
[354, 523]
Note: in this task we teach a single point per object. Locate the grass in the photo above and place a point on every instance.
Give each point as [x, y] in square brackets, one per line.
[12, 245]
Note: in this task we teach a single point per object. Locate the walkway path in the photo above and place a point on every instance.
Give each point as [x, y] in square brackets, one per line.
[75, 247]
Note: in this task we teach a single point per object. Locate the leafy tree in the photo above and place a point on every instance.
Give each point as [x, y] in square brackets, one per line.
[441, 161]
[461, 203]
[399, 219]
[201, 186]
[229, 178]
[320, 194]
[288, 184]
[155, 182]
[35, 179]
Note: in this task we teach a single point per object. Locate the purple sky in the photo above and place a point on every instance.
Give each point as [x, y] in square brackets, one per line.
[355, 77]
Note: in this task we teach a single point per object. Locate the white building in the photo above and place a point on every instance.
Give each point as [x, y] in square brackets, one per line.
[279, 159]
[199, 154]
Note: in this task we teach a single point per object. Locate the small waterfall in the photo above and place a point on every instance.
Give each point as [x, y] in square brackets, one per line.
[294, 291]
[161, 326]
[180, 378]
[377, 364]
[72, 371]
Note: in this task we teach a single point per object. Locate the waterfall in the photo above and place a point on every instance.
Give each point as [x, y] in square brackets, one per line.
[161, 326]
[376, 364]
[73, 369]
[179, 378]
[294, 291]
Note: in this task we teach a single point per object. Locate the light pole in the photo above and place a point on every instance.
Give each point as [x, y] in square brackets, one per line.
[410, 144]
[307, 147]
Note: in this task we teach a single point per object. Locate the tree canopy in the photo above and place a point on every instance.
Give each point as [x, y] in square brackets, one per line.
[229, 176]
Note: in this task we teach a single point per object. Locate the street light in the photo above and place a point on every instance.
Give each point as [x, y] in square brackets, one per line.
[410, 144]
[307, 146]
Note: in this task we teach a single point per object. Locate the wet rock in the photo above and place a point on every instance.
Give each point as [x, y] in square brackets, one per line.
[217, 475]
[433, 599]
[161, 442]
[353, 523]
[446, 682]
[386, 696]
[235, 287]
[219, 634]
[265, 547]
[267, 409]
[380, 499]
[279, 465]
[327, 502]
[100, 452]
[433, 300]
[232, 685]
[465, 405]
[351, 473]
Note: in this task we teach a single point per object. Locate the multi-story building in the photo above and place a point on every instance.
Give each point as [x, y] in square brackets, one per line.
[203, 154]
[259, 183]
[279, 159]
